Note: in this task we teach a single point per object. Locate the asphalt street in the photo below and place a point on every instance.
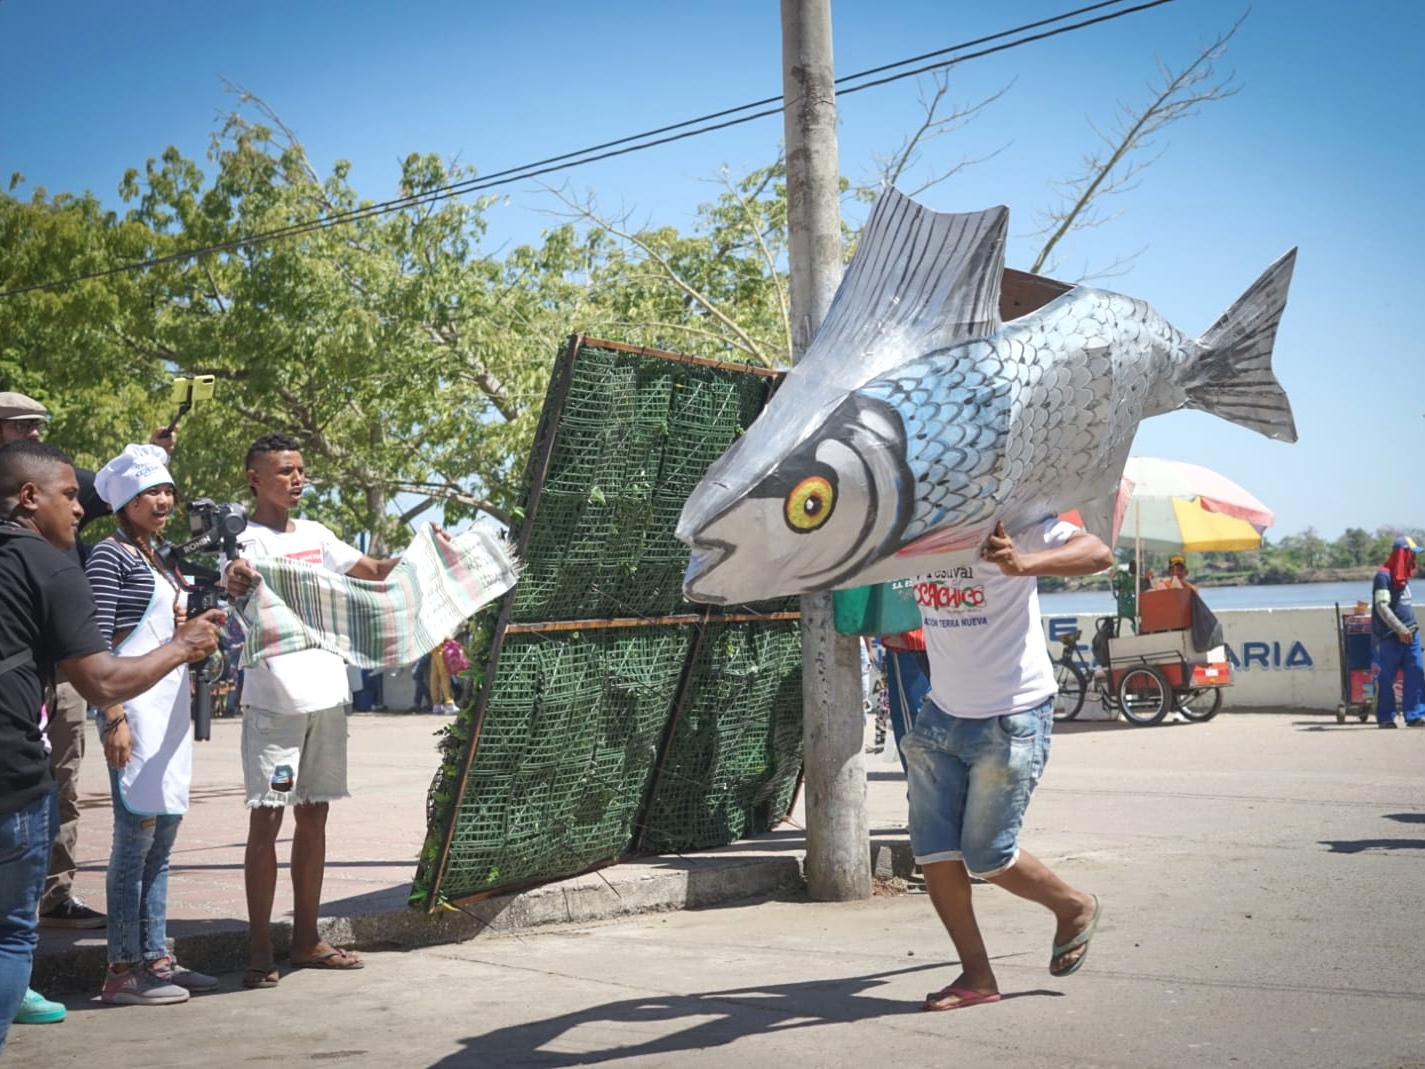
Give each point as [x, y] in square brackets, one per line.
[1261, 877]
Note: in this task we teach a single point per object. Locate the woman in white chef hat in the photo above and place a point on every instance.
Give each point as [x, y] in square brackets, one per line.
[148, 742]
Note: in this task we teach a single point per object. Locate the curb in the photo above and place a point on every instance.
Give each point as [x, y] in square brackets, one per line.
[653, 885]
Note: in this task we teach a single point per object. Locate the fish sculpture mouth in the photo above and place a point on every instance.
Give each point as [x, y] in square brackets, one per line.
[700, 580]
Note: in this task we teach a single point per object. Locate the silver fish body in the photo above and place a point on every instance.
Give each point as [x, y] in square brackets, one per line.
[915, 467]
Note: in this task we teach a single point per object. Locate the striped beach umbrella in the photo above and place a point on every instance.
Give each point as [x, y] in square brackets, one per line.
[1176, 507]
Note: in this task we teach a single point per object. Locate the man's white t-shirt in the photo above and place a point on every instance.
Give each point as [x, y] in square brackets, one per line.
[983, 634]
[309, 680]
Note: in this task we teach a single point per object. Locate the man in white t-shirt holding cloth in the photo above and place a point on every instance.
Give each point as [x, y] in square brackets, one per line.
[981, 740]
[294, 728]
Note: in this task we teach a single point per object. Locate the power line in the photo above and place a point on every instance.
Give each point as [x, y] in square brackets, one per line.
[632, 143]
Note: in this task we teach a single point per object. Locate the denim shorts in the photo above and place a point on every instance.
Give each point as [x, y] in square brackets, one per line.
[969, 782]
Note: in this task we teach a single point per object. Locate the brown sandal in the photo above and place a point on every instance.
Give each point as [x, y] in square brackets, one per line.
[257, 976]
[335, 958]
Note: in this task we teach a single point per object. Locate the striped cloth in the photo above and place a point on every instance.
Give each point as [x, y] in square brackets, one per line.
[439, 584]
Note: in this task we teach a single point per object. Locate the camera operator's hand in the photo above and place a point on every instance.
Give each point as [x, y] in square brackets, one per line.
[240, 578]
[165, 438]
[200, 635]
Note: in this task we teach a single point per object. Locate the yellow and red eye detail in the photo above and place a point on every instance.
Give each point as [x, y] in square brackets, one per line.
[809, 504]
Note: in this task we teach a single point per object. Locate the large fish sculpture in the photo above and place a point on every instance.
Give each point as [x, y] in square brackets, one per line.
[917, 421]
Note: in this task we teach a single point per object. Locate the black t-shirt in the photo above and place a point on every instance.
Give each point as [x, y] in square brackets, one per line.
[47, 610]
[94, 505]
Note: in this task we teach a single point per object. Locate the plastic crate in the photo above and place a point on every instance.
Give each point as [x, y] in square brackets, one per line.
[1164, 610]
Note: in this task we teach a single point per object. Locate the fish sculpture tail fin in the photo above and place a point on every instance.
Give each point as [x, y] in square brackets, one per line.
[1234, 379]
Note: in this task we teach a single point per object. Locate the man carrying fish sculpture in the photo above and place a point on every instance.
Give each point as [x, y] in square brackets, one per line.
[920, 436]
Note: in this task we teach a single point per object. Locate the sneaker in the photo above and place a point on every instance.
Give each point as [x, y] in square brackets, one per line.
[139, 987]
[72, 913]
[169, 971]
[36, 1009]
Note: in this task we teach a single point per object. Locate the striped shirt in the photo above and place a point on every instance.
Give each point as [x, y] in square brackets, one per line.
[123, 586]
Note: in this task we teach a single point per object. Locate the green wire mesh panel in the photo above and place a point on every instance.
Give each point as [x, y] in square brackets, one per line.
[736, 753]
[565, 754]
[612, 715]
[634, 436]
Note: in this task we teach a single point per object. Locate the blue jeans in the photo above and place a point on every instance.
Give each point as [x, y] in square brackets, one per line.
[907, 684]
[137, 885]
[1395, 657]
[26, 837]
[969, 781]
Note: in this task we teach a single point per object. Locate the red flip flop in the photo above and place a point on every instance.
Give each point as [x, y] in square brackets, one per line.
[967, 996]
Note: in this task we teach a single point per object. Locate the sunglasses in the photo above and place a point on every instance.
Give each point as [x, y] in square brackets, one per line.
[26, 426]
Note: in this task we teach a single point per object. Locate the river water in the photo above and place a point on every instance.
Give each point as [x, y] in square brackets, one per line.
[1280, 596]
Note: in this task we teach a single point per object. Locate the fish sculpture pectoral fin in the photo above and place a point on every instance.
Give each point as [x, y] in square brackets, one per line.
[1100, 515]
[1234, 379]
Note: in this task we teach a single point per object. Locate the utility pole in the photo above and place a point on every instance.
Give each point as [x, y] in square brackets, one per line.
[838, 840]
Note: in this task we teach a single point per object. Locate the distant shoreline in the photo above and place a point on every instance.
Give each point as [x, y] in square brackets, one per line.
[1364, 573]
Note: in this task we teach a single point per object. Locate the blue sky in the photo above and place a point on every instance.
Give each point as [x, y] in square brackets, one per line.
[1321, 148]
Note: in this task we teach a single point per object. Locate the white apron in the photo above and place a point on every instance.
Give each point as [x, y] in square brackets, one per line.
[160, 768]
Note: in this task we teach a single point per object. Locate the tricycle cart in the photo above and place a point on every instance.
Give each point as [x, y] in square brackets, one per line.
[1154, 673]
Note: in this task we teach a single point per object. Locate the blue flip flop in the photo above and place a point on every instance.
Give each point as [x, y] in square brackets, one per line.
[1080, 940]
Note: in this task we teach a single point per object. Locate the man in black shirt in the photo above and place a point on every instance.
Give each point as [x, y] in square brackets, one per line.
[47, 624]
[23, 418]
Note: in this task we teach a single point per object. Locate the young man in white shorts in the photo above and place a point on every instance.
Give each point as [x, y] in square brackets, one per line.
[293, 722]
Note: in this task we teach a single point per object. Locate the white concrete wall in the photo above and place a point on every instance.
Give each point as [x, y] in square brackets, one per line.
[1282, 658]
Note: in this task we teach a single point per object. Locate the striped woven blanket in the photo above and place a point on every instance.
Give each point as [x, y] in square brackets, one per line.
[439, 583]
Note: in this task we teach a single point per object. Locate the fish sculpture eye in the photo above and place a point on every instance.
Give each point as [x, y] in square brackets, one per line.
[810, 504]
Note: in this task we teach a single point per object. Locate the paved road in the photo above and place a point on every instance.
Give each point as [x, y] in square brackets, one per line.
[1261, 878]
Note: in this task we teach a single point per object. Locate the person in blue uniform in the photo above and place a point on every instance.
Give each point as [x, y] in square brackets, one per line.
[1396, 636]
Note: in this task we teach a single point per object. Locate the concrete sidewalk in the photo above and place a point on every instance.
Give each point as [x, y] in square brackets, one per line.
[373, 839]
[1260, 875]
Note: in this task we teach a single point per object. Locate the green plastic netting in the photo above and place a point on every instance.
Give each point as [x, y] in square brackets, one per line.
[612, 716]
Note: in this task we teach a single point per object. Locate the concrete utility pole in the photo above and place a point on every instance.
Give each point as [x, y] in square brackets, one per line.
[838, 841]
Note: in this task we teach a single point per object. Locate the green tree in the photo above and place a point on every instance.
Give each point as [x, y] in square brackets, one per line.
[403, 358]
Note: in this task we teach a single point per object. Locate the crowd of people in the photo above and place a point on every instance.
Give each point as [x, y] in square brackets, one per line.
[105, 627]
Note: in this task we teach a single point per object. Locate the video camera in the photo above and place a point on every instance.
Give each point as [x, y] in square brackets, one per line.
[214, 528]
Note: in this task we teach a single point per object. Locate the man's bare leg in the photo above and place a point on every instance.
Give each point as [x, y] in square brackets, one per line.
[309, 862]
[1030, 878]
[259, 870]
[949, 887]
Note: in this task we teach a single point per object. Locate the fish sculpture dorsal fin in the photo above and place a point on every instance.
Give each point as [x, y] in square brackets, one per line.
[920, 280]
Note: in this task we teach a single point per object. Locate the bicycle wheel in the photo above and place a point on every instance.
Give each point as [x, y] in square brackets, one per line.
[1144, 695]
[1202, 704]
[1072, 686]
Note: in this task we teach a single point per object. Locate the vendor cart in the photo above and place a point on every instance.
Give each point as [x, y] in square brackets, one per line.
[1358, 683]
[1156, 673]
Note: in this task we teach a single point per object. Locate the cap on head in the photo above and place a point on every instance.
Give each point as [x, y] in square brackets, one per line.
[1177, 559]
[1404, 542]
[129, 474]
[18, 406]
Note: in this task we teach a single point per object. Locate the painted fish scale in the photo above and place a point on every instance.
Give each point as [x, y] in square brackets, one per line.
[1010, 421]
[955, 417]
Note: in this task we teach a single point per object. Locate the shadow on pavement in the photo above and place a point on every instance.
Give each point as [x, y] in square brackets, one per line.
[691, 1022]
[1360, 846]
